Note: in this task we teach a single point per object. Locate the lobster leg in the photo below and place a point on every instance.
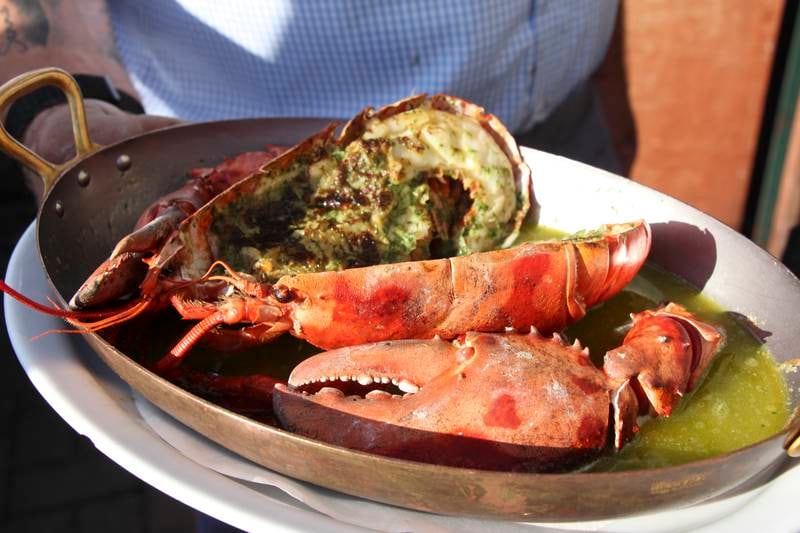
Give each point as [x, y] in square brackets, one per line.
[233, 340]
[233, 310]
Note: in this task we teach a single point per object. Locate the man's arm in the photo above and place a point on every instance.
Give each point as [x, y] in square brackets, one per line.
[72, 34]
[76, 36]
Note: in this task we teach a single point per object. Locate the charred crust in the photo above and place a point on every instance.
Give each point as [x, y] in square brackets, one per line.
[385, 199]
[365, 251]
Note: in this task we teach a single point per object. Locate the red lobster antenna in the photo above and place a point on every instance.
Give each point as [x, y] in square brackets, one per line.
[86, 320]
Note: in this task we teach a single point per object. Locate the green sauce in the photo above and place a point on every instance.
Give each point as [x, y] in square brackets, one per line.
[742, 400]
[529, 232]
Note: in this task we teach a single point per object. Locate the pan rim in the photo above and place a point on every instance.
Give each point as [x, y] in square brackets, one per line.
[246, 121]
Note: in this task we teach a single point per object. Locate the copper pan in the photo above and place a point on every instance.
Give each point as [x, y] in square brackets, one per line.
[94, 199]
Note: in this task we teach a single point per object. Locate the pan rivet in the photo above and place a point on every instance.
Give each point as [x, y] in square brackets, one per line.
[124, 162]
[59, 208]
[83, 178]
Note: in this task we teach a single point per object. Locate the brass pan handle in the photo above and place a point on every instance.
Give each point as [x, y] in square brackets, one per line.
[27, 83]
[792, 442]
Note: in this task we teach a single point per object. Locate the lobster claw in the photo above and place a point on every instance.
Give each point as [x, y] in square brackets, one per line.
[113, 279]
[125, 269]
[663, 356]
[489, 401]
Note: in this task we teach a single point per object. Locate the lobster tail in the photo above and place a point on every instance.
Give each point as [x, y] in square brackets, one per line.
[547, 285]
[604, 266]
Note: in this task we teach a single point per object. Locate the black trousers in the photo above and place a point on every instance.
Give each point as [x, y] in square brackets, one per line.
[577, 128]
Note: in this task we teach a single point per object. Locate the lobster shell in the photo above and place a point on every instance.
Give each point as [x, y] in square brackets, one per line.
[197, 244]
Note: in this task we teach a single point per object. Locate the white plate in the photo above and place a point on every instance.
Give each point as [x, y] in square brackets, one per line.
[100, 406]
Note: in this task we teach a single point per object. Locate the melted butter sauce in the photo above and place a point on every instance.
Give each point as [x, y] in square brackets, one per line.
[742, 399]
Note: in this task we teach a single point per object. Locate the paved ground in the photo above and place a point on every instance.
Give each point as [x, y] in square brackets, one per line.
[51, 478]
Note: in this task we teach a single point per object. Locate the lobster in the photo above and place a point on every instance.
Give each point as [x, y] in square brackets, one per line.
[396, 231]
[425, 177]
[547, 285]
[433, 176]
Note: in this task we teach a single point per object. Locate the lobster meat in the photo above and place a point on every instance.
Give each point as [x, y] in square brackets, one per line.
[425, 177]
[499, 401]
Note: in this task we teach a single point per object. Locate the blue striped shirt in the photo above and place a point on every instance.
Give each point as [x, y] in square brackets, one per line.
[207, 60]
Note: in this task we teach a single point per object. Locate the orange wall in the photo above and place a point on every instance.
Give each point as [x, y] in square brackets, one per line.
[697, 75]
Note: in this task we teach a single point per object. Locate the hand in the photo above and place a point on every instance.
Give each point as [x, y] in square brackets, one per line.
[50, 133]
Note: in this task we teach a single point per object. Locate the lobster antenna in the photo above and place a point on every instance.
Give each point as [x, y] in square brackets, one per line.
[66, 314]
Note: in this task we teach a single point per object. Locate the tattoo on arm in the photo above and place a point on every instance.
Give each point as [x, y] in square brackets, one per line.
[35, 28]
[9, 40]
[75, 35]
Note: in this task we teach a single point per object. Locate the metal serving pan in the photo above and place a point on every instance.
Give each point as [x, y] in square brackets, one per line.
[94, 199]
